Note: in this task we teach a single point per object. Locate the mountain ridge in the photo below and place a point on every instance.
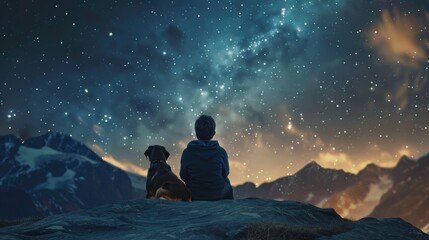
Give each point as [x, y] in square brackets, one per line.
[399, 191]
[300, 186]
[60, 174]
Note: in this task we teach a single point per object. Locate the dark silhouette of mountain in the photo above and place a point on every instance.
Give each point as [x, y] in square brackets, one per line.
[404, 165]
[23, 205]
[245, 190]
[59, 174]
[312, 184]
[227, 219]
[401, 191]
[408, 198]
[360, 198]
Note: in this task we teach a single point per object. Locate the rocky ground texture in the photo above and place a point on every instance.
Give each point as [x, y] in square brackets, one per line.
[228, 219]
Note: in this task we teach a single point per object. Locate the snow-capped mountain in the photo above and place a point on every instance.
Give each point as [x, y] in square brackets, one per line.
[360, 198]
[408, 198]
[401, 191]
[57, 174]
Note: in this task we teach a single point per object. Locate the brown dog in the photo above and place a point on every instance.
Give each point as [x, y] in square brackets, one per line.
[162, 183]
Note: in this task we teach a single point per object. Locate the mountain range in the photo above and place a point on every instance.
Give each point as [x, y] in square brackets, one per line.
[401, 191]
[54, 173]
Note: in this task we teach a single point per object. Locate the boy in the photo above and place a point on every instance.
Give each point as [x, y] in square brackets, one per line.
[204, 164]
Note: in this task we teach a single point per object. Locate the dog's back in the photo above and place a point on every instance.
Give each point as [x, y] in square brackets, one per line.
[162, 183]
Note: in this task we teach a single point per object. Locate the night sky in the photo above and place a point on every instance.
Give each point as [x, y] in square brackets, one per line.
[340, 82]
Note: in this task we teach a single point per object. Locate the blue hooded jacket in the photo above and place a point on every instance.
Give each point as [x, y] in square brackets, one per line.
[205, 169]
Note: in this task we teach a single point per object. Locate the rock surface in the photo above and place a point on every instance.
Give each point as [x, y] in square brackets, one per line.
[228, 219]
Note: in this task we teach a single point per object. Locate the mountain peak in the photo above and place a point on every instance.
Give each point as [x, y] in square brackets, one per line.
[405, 158]
[371, 166]
[313, 165]
[45, 140]
[61, 142]
[311, 168]
[405, 162]
[7, 137]
[424, 158]
[371, 169]
[61, 174]
[9, 144]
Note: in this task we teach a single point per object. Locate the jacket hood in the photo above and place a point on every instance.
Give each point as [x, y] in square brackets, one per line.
[202, 144]
[204, 149]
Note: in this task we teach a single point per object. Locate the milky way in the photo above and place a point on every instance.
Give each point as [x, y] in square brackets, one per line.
[344, 83]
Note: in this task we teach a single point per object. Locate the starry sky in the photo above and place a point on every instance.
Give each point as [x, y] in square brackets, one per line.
[340, 82]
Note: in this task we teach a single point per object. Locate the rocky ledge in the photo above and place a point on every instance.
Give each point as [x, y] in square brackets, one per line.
[229, 219]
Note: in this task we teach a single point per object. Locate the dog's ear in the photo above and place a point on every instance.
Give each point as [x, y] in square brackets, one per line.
[166, 153]
[148, 151]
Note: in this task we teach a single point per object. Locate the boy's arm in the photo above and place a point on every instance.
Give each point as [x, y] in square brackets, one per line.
[225, 169]
[183, 167]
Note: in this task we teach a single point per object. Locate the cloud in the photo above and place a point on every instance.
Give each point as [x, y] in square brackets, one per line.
[238, 171]
[125, 165]
[397, 38]
[400, 96]
[373, 154]
[122, 164]
[403, 42]
[97, 129]
[175, 37]
[340, 161]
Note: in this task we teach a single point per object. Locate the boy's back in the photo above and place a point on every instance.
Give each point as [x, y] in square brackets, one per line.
[204, 169]
[204, 164]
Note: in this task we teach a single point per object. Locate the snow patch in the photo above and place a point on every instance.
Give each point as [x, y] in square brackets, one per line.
[32, 157]
[376, 191]
[28, 156]
[8, 146]
[66, 181]
[309, 197]
[372, 199]
[425, 229]
[322, 202]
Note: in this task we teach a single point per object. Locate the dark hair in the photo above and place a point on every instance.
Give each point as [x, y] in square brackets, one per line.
[205, 127]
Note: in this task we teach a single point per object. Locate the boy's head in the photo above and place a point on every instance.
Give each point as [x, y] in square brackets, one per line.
[205, 127]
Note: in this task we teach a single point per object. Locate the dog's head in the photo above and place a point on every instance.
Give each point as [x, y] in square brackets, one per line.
[156, 153]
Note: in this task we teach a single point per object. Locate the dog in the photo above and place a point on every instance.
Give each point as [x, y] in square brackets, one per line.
[162, 183]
